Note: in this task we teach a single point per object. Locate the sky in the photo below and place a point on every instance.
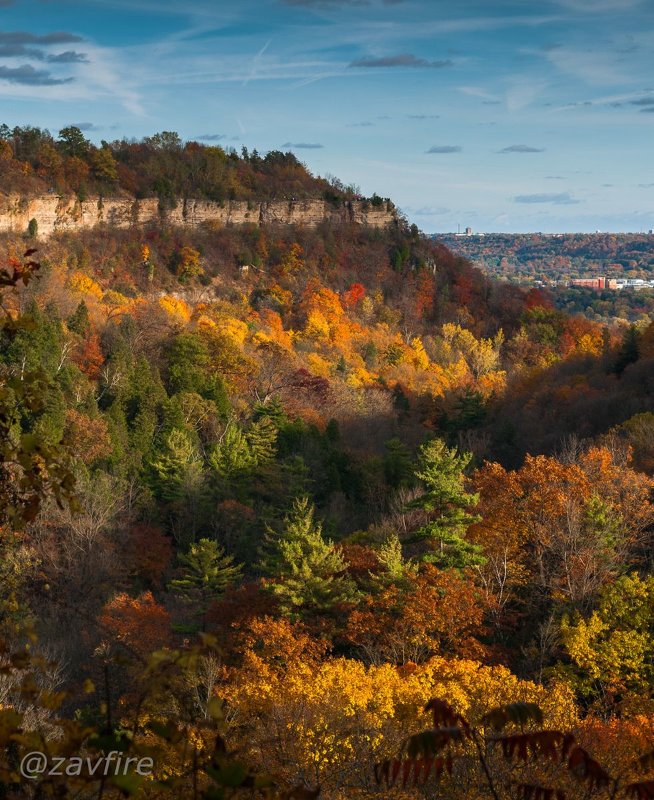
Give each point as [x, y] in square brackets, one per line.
[516, 115]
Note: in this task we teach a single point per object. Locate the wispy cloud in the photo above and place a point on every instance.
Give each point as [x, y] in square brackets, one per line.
[211, 137]
[521, 148]
[563, 199]
[68, 57]
[423, 116]
[400, 60]
[18, 50]
[596, 67]
[24, 37]
[28, 76]
[255, 63]
[303, 145]
[85, 126]
[477, 91]
[522, 92]
[444, 148]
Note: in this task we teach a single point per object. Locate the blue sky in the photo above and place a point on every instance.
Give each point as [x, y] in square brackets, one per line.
[515, 115]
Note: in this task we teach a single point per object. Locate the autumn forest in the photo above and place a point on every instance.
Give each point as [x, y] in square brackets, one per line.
[270, 492]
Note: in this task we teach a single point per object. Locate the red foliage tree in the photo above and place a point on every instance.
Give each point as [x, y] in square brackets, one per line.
[354, 295]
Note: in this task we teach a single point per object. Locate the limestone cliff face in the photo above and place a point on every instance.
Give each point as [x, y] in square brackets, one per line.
[56, 213]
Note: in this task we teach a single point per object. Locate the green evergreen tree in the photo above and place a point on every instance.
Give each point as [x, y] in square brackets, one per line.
[469, 412]
[38, 343]
[119, 438]
[398, 469]
[189, 370]
[307, 572]
[145, 402]
[395, 569]
[50, 423]
[272, 409]
[232, 457]
[332, 431]
[262, 439]
[629, 351]
[79, 321]
[370, 355]
[178, 465]
[205, 573]
[441, 471]
[178, 478]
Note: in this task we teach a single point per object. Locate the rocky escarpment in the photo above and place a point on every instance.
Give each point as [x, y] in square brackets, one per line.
[56, 213]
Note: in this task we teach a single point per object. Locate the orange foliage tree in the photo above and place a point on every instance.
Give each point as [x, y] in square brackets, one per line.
[141, 624]
[563, 526]
[435, 611]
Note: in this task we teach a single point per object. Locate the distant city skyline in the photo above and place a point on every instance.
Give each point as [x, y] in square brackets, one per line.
[510, 116]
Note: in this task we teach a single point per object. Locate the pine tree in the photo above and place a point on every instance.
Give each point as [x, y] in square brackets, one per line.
[190, 370]
[178, 465]
[145, 403]
[232, 457]
[205, 573]
[273, 409]
[441, 470]
[397, 464]
[307, 572]
[395, 568]
[262, 439]
[178, 478]
[629, 351]
[50, 423]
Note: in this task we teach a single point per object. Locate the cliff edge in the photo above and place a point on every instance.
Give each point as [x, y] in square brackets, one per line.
[54, 213]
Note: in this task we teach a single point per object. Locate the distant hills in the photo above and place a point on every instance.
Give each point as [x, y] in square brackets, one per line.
[526, 258]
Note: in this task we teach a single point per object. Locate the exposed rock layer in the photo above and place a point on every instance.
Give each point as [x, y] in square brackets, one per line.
[55, 213]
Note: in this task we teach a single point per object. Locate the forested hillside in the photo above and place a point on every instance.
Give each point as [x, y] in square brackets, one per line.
[163, 166]
[325, 475]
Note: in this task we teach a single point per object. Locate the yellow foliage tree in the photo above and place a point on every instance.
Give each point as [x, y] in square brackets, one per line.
[82, 283]
[234, 329]
[176, 308]
[324, 722]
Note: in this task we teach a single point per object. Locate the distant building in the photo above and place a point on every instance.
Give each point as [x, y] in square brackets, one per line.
[590, 283]
[468, 232]
[614, 284]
